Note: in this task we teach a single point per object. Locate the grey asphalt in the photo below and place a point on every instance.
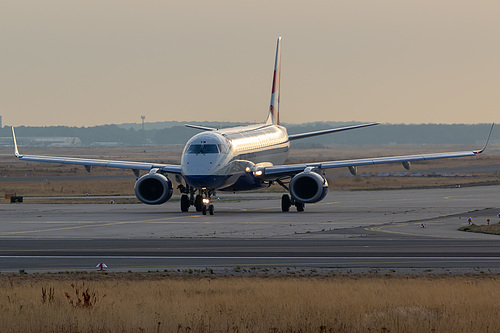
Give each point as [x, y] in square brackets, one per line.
[347, 232]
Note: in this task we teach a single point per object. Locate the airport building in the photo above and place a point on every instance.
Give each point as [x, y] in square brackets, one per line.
[29, 141]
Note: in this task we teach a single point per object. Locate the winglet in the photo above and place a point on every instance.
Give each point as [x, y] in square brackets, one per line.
[16, 151]
[487, 140]
[274, 108]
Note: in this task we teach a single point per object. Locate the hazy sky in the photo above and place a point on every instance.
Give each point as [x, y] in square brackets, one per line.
[85, 63]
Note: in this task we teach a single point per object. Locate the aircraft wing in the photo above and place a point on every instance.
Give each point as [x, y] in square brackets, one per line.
[292, 169]
[135, 166]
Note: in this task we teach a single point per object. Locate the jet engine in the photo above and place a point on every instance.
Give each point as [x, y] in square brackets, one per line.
[308, 187]
[153, 189]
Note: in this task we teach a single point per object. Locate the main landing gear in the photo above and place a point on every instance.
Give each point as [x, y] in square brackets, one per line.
[200, 201]
[287, 202]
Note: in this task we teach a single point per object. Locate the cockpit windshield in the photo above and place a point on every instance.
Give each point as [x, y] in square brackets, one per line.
[203, 149]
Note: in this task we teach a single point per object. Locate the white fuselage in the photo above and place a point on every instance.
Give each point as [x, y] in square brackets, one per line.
[218, 159]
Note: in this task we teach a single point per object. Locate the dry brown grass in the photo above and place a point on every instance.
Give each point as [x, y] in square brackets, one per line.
[493, 228]
[55, 188]
[162, 303]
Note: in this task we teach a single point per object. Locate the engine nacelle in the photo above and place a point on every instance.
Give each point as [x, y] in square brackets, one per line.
[308, 187]
[153, 189]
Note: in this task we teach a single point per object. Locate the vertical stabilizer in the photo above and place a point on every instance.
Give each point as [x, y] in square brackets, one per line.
[274, 108]
[16, 151]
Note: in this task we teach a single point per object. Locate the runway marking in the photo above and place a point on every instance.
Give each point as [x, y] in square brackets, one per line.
[94, 224]
[382, 229]
[89, 224]
[242, 210]
[327, 203]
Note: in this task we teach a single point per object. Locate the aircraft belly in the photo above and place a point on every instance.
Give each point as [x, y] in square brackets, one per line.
[246, 182]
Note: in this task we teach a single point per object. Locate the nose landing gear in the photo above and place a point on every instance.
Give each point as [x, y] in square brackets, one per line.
[200, 201]
[206, 205]
[209, 208]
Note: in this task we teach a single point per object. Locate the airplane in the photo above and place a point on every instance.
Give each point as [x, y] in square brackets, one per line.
[239, 159]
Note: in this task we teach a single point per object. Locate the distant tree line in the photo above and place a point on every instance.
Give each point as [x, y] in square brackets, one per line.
[177, 133]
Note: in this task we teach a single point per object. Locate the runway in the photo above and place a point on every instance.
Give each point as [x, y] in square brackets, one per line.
[347, 232]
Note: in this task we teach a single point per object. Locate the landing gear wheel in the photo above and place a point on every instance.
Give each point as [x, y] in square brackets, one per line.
[211, 209]
[204, 210]
[300, 206]
[198, 203]
[285, 203]
[184, 203]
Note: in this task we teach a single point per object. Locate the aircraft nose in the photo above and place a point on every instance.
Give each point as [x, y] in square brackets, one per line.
[201, 172]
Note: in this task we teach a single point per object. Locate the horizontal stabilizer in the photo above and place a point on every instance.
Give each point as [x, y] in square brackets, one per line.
[332, 130]
[204, 128]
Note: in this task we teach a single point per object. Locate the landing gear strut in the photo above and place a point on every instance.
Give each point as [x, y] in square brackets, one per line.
[187, 197]
[287, 202]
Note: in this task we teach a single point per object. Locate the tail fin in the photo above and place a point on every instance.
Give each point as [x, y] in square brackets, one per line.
[16, 151]
[274, 108]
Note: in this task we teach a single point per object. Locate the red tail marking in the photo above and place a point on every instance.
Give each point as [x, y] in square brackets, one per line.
[274, 82]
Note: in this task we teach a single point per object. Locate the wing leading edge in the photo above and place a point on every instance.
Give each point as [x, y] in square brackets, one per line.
[292, 169]
[168, 168]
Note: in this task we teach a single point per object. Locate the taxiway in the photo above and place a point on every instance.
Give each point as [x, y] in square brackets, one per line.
[355, 231]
